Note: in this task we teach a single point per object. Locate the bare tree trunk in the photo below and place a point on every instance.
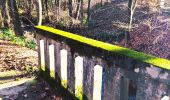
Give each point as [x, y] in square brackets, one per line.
[81, 11]
[1, 19]
[131, 8]
[88, 11]
[5, 14]
[57, 3]
[59, 6]
[39, 12]
[77, 9]
[46, 7]
[15, 18]
[70, 8]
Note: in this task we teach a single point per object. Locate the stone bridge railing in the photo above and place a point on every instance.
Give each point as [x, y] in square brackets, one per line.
[83, 68]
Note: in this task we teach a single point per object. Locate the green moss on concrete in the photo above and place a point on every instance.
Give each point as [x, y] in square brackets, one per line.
[52, 74]
[79, 92]
[160, 62]
[64, 83]
[42, 68]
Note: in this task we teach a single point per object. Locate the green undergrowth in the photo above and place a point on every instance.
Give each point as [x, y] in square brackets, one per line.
[30, 69]
[7, 34]
[140, 56]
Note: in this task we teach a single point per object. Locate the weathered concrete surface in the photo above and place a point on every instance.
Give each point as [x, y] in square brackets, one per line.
[112, 81]
[13, 88]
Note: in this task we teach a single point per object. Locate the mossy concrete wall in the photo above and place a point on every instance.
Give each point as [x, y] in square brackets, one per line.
[151, 81]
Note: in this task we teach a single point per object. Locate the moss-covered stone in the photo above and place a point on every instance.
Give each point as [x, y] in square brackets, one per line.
[42, 68]
[64, 83]
[52, 74]
[160, 62]
[79, 92]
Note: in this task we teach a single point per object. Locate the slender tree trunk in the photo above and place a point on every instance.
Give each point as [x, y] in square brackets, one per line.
[5, 14]
[1, 19]
[57, 3]
[88, 11]
[59, 6]
[77, 9]
[43, 6]
[39, 12]
[70, 8]
[81, 11]
[46, 7]
[15, 18]
[131, 8]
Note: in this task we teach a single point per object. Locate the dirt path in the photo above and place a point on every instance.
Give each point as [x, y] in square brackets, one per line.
[17, 66]
[18, 78]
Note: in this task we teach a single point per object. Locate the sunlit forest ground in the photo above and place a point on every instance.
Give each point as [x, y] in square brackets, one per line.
[18, 74]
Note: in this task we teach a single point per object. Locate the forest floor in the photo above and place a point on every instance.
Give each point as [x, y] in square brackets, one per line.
[18, 75]
[109, 23]
[149, 33]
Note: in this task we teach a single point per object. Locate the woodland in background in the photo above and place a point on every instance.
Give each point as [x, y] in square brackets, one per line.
[142, 25]
[17, 13]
